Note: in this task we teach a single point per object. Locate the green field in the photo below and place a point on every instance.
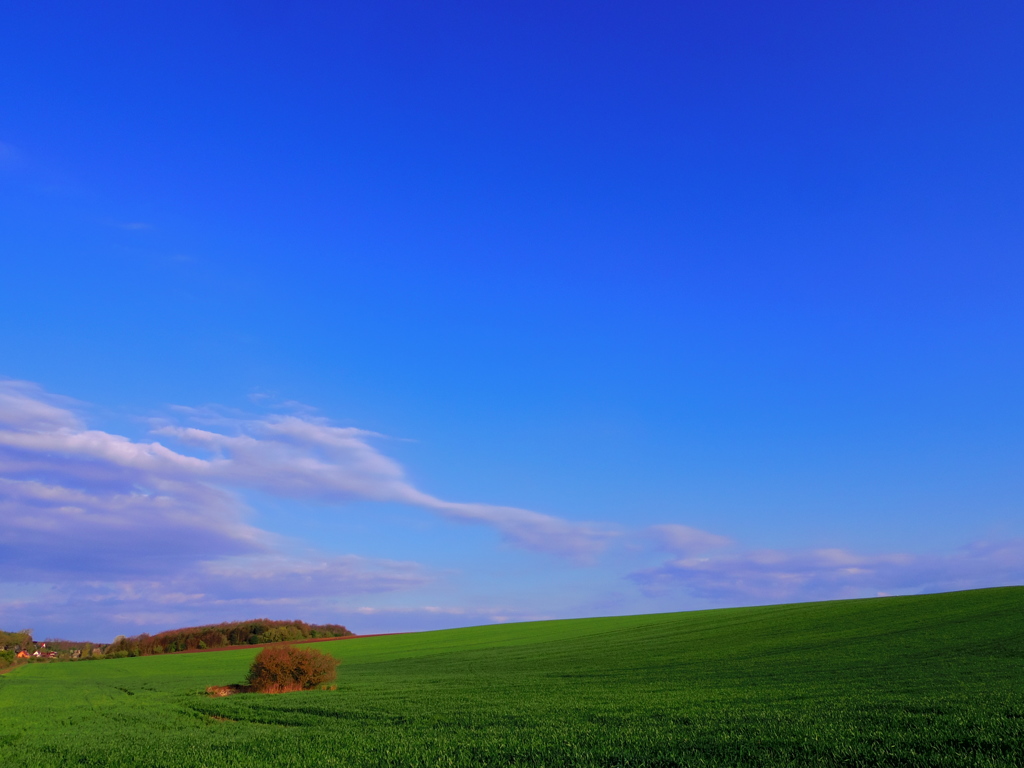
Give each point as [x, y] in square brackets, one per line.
[936, 680]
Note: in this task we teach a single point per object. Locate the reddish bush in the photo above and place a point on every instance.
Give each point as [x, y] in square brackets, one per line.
[280, 668]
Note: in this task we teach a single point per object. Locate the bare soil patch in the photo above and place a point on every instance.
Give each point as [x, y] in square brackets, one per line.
[217, 691]
[227, 690]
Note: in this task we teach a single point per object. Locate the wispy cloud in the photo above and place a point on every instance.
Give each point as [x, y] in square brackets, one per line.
[389, 619]
[94, 478]
[98, 529]
[79, 503]
[132, 522]
[682, 539]
[306, 457]
[98, 526]
[771, 576]
[312, 587]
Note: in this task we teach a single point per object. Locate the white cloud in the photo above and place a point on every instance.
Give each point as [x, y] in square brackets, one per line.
[97, 483]
[97, 525]
[306, 457]
[248, 577]
[24, 405]
[56, 531]
[447, 616]
[312, 587]
[683, 539]
[111, 521]
[772, 576]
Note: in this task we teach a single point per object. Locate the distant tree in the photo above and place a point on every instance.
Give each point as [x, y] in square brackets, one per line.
[214, 639]
[286, 632]
[17, 640]
[119, 649]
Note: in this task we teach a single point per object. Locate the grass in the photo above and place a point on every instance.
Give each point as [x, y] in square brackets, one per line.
[935, 680]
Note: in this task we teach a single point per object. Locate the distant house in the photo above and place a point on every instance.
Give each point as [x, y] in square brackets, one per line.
[23, 654]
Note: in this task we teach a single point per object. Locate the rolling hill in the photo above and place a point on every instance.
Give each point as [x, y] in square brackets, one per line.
[934, 680]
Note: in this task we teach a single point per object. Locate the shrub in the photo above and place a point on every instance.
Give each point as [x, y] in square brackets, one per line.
[280, 668]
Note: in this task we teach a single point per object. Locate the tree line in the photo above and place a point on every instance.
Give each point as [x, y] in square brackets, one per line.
[253, 632]
[15, 646]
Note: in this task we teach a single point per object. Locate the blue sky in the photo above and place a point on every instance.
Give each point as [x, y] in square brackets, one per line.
[411, 316]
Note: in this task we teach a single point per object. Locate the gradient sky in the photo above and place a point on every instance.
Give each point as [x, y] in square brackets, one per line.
[413, 315]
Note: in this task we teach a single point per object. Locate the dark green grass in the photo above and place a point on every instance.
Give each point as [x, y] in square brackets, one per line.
[936, 680]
